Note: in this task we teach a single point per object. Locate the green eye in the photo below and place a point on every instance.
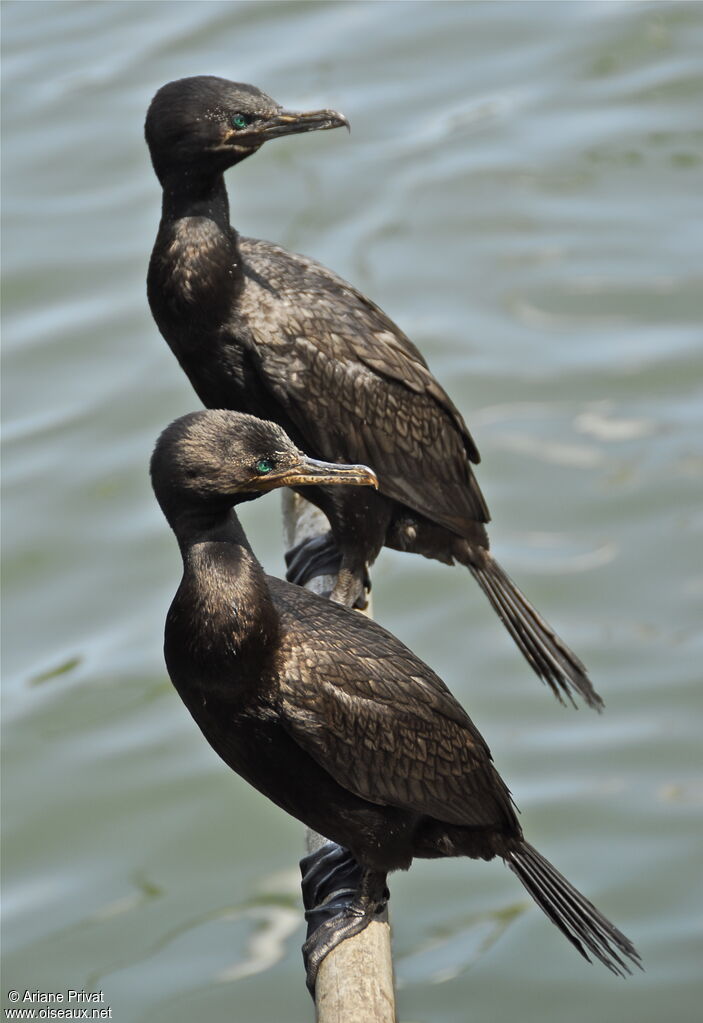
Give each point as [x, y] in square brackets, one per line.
[264, 466]
[241, 120]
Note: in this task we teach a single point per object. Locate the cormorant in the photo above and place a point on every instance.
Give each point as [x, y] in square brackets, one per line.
[263, 331]
[321, 709]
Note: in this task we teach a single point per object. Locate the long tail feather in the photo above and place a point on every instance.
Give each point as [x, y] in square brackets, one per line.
[550, 658]
[576, 917]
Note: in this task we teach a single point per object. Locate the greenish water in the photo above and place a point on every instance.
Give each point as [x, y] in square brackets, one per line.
[521, 191]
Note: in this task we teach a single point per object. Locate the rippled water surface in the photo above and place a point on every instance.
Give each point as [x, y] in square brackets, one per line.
[521, 191]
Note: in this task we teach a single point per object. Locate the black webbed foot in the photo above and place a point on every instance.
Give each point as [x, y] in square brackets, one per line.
[340, 900]
[319, 555]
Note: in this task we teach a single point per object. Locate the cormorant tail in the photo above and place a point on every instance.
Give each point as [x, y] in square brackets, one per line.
[576, 917]
[545, 652]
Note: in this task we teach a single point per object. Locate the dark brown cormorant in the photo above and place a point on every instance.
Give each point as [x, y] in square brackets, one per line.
[261, 330]
[321, 709]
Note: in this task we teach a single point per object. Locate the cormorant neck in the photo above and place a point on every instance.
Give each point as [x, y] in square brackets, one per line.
[207, 524]
[195, 195]
[225, 591]
[195, 270]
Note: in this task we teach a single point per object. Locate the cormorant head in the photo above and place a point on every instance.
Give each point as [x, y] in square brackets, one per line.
[208, 123]
[217, 458]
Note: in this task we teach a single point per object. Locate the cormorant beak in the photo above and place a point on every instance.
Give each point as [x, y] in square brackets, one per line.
[309, 472]
[286, 122]
[290, 123]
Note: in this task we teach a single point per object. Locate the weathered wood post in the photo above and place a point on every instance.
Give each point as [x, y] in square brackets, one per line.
[355, 981]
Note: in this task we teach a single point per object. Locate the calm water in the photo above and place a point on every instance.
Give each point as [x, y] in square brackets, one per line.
[522, 192]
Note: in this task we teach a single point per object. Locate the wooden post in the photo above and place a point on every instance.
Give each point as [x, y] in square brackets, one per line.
[355, 981]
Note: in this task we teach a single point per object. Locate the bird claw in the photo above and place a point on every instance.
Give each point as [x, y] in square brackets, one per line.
[335, 906]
